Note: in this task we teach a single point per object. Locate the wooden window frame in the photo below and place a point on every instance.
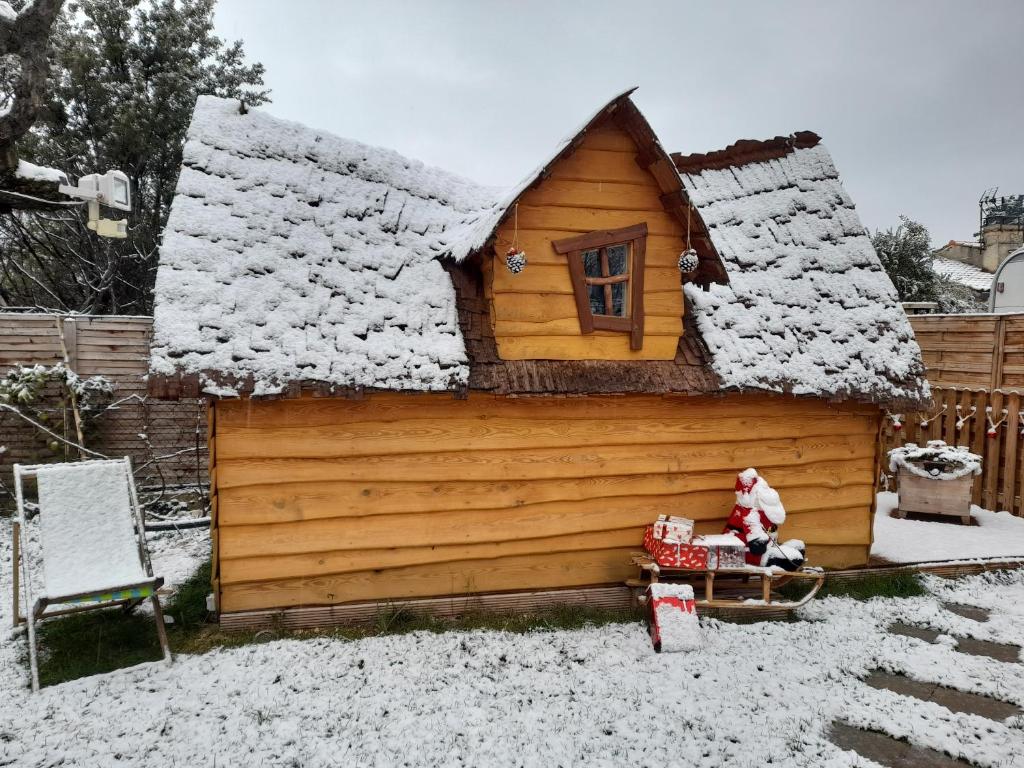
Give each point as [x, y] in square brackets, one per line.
[635, 237]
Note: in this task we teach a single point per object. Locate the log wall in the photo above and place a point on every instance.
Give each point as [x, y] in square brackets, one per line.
[117, 348]
[323, 501]
[972, 350]
[600, 186]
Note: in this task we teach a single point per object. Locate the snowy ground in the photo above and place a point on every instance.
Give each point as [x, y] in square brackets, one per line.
[996, 534]
[753, 695]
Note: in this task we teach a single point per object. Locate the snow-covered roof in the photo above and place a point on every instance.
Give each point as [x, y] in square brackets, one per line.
[808, 308]
[293, 255]
[294, 258]
[964, 274]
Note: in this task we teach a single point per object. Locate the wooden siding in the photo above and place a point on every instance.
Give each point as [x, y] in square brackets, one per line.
[972, 350]
[322, 500]
[600, 186]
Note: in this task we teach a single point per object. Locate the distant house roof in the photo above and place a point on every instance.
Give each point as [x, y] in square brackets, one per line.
[293, 258]
[954, 244]
[808, 308]
[964, 274]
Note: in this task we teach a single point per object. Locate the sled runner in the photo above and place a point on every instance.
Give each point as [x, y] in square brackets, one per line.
[740, 594]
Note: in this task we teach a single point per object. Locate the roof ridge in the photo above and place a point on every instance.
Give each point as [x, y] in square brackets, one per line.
[745, 152]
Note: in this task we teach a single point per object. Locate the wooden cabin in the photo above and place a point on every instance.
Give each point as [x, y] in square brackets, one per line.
[395, 414]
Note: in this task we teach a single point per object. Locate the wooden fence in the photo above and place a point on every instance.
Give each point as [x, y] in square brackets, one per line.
[960, 416]
[972, 350]
[116, 348]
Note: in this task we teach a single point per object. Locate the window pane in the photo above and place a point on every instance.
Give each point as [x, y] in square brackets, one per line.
[592, 263]
[597, 299]
[617, 259]
[619, 299]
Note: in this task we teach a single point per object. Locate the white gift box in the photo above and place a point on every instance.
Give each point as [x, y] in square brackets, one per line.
[672, 529]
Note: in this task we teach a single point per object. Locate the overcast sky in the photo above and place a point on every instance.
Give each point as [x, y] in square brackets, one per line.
[920, 103]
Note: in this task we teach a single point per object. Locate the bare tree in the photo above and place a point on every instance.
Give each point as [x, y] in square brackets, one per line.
[24, 44]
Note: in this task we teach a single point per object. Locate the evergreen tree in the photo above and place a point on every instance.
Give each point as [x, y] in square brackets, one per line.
[906, 254]
[124, 79]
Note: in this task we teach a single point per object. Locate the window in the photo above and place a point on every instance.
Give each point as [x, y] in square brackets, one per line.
[607, 271]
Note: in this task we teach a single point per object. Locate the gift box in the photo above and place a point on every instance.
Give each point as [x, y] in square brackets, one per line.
[724, 550]
[673, 617]
[675, 529]
[675, 554]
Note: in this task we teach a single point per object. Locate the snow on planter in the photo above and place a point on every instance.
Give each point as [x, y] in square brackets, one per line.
[936, 479]
[935, 461]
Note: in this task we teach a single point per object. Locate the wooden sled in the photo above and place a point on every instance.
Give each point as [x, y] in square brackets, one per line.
[742, 597]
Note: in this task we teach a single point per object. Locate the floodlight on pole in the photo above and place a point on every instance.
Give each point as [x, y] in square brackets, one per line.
[111, 190]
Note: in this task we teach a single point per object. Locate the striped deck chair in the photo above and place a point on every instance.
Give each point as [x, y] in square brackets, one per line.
[91, 542]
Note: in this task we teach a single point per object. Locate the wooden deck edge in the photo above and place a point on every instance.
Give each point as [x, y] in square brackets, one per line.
[951, 570]
[614, 597]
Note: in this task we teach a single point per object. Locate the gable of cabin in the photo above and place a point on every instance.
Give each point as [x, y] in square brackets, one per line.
[599, 186]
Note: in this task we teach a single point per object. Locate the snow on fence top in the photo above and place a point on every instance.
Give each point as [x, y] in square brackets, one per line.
[291, 254]
[936, 460]
[808, 308]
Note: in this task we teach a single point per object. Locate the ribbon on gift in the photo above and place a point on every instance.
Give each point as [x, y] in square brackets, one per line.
[688, 606]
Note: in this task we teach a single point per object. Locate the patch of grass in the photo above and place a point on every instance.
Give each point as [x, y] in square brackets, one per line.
[401, 619]
[896, 584]
[102, 641]
[98, 641]
[188, 605]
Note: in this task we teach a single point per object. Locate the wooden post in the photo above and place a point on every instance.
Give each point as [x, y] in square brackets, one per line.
[16, 575]
[1012, 434]
[991, 497]
[70, 366]
[211, 442]
[997, 354]
[976, 440]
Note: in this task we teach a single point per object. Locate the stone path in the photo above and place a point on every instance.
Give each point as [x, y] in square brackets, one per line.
[997, 651]
[887, 751]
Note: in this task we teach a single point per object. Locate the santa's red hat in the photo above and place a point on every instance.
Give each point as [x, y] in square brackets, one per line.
[746, 480]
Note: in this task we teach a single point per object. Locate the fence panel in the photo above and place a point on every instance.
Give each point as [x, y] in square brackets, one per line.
[117, 348]
[972, 350]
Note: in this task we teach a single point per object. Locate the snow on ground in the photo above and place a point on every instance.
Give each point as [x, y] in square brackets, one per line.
[752, 695]
[997, 534]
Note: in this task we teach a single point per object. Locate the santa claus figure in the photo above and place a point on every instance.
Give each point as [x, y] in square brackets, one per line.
[756, 519]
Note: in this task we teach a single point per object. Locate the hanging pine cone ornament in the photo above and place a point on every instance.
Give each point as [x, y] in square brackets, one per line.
[992, 432]
[515, 261]
[688, 261]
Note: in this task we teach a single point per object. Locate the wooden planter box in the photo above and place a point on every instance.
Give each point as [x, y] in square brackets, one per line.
[935, 497]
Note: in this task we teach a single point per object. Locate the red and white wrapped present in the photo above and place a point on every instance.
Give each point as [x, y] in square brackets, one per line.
[673, 617]
[725, 550]
[675, 529]
[675, 554]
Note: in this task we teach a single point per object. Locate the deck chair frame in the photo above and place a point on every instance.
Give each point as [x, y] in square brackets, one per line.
[40, 609]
